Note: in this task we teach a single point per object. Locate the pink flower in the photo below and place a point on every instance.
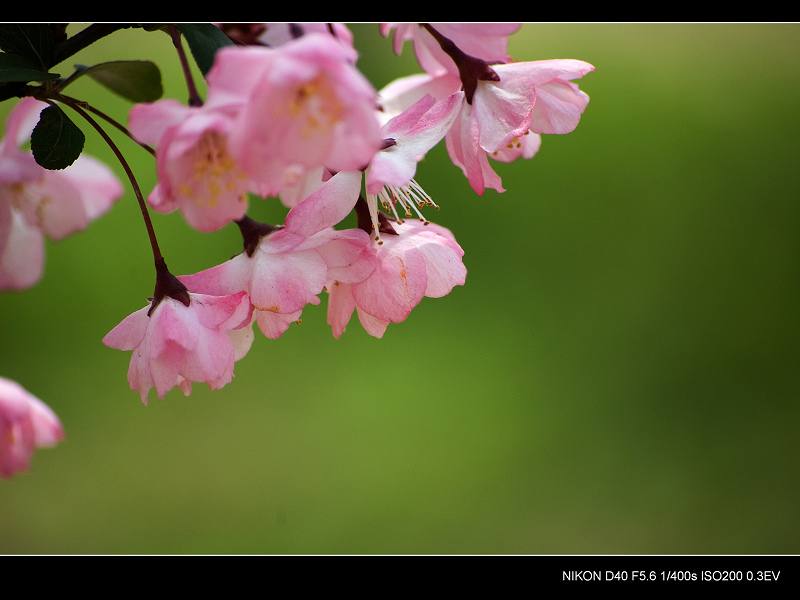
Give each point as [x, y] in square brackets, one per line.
[25, 424]
[36, 202]
[526, 99]
[422, 259]
[288, 267]
[300, 105]
[529, 96]
[383, 276]
[487, 41]
[177, 344]
[196, 173]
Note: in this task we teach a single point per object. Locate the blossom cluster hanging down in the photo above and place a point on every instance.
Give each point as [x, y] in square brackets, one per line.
[288, 115]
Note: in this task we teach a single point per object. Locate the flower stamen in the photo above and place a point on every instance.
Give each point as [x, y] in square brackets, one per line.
[411, 198]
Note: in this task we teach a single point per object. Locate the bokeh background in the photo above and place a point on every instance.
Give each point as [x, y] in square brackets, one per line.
[618, 376]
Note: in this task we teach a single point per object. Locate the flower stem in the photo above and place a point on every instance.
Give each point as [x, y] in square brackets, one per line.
[166, 283]
[470, 69]
[194, 96]
[106, 118]
[76, 106]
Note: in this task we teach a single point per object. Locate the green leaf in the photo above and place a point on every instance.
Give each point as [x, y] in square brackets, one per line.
[56, 142]
[14, 67]
[31, 40]
[136, 80]
[204, 40]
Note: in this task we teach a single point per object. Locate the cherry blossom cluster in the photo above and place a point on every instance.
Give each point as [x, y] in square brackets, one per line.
[288, 116]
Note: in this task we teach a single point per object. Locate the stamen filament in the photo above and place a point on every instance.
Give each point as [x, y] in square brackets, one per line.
[411, 197]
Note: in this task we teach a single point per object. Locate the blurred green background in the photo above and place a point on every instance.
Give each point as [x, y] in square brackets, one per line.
[618, 376]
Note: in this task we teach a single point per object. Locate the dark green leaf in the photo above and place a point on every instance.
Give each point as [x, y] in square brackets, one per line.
[204, 40]
[32, 40]
[14, 67]
[136, 80]
[56, 142]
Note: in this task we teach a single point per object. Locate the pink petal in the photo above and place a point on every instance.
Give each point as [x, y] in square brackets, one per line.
[46, 425]
[349, 257]
[273, 325]
[340, 306]
[396, 285]
[326, 206]
[558, 109]
[373, 325]
[99, 187]
[147, 122]
[444, 267]
[503, 109]
[224, 312]
[286, 282]
[21, 252]
[415, 132]
[130, 332]
[463, 147]
[60, 212]
[229, 277]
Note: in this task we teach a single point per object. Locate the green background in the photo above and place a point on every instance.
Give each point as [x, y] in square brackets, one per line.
[618, 376]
